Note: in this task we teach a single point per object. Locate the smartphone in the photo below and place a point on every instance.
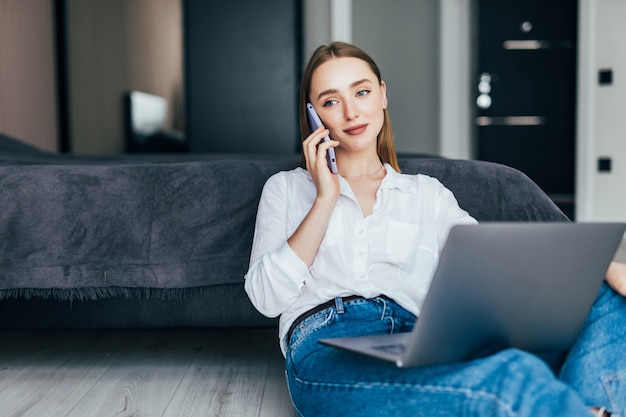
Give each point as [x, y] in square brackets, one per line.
[314, 123]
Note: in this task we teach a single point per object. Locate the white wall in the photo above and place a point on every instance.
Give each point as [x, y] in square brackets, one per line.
[403, 38]
[326, 21]
[455, 85]
[601, 111]
[316, 25]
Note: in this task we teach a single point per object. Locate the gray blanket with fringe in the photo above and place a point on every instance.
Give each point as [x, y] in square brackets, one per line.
[75, 227]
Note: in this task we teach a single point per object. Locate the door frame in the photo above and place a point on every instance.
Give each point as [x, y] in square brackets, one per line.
[584, 111]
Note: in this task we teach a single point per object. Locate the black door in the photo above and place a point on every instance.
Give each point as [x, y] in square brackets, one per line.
[526, 91]
[242, 69]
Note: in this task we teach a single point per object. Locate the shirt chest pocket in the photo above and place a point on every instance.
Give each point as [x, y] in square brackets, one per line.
[402, 243]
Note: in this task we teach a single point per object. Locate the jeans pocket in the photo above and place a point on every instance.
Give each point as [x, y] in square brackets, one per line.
[615, 387]
[308, 326]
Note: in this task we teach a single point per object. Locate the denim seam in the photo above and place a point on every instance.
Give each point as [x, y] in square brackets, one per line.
[295, 406]
[484, 395]
[607, 380]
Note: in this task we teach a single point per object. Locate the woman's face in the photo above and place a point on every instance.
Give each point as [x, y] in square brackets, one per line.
[350, 101]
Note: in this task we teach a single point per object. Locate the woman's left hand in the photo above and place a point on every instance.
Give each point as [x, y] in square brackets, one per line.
[616, 277]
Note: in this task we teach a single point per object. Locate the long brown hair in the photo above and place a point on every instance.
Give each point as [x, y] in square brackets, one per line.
[385, 147]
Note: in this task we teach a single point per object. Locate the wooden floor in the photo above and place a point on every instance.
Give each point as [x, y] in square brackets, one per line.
[149, 373]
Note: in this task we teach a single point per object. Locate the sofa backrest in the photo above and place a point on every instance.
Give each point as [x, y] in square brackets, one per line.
[489, 191]
[91, 227]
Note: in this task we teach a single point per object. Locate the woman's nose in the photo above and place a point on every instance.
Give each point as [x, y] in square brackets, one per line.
[350, 110]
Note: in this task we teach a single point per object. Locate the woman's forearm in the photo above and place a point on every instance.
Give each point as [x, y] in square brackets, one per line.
[307, 238]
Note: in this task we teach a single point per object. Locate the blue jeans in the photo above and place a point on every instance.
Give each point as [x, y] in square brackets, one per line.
[325, 381]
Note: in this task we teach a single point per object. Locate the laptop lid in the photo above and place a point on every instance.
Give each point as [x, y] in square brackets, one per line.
[499, 285]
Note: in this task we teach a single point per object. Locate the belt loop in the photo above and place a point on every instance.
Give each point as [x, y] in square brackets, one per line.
[339, 305]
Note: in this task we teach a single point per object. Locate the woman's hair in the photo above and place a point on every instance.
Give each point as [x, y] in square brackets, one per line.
[385, 147]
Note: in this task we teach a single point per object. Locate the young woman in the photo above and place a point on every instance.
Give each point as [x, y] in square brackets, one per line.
[368, 239]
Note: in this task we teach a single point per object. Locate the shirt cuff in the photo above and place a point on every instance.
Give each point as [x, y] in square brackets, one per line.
[291, 266]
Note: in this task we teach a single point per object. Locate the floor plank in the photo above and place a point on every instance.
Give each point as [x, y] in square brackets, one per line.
[142, 379]
[276, 389]
[159, 373]
[225, 378]
[51, 381]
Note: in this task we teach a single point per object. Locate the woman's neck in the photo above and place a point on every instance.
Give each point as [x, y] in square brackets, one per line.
[367, 175]
[365, 183]
[353, 167]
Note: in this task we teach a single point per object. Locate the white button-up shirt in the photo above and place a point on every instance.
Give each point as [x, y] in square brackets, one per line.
[392, 252]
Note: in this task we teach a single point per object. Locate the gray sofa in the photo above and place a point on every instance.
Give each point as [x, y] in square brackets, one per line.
[162, 241]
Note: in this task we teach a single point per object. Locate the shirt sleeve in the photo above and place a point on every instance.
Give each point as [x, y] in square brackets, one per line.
[276, 275]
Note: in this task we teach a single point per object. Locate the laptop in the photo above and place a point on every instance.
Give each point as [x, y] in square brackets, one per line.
[499, 285]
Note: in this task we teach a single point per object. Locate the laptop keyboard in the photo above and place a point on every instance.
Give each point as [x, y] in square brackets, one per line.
[395, 349]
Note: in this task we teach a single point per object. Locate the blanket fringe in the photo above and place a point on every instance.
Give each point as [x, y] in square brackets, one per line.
[92, 294]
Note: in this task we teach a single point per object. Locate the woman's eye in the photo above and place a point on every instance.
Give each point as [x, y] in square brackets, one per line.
[330, 103]
[362, 93]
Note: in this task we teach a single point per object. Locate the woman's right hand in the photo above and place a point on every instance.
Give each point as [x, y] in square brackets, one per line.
[326, 182]
[307, 238]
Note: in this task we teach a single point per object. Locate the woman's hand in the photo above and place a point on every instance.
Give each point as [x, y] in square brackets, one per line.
[616, 277]
[307, 238]
[326, 182]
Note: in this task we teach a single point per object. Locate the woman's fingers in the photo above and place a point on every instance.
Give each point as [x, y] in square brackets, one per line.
[311, 147]
[326, 182]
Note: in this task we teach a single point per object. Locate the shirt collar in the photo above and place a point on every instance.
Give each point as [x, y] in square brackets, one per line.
[393, 179]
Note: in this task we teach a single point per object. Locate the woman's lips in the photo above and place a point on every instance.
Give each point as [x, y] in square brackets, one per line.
[356, 130]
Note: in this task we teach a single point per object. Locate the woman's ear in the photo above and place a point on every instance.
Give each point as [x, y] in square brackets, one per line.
[383, 89]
